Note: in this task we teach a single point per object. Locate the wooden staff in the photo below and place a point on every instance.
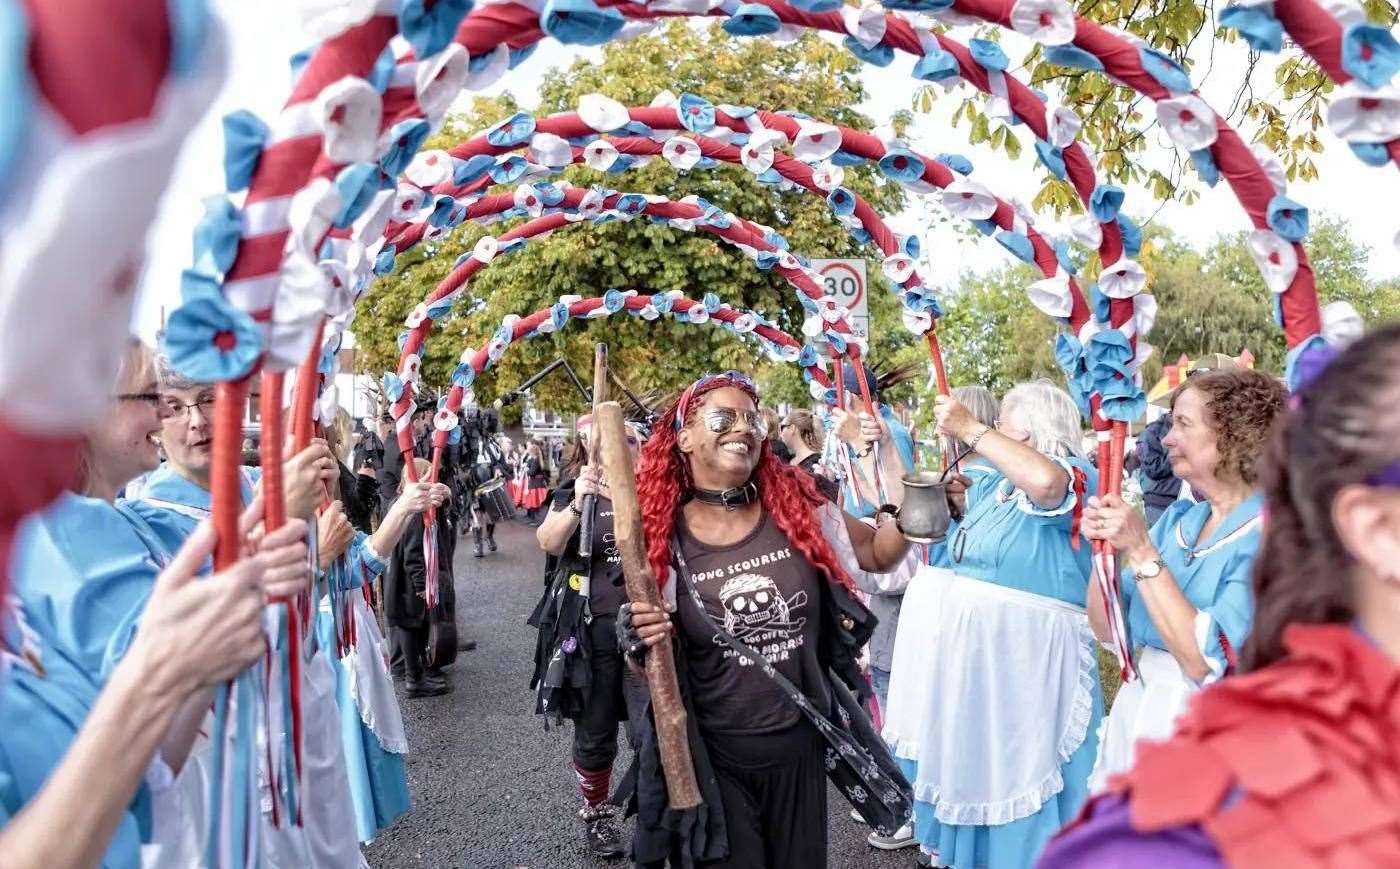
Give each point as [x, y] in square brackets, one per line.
[590, 502]
[666, 706]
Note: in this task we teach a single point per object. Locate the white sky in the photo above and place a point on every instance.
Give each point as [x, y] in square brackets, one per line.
[262, 36]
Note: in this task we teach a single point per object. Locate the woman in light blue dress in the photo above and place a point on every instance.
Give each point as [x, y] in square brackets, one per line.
[1186, 583]
[1009, 737]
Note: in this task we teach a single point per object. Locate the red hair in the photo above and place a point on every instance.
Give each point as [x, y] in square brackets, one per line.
[788, 494]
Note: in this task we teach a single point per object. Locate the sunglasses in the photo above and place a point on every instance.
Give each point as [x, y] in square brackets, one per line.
[736, 378]
[721, 420]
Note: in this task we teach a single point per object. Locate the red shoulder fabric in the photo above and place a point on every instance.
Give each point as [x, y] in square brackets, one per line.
[1297, 764]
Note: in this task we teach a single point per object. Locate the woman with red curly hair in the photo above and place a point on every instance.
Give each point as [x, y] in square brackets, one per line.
[763, 614]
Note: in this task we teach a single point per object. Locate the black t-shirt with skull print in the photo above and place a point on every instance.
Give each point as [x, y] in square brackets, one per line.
[764, 592]
[606, 593]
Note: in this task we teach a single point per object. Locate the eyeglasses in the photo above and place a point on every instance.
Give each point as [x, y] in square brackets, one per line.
[721, 420]
[174, 408]
[739, 379]
[150, 398]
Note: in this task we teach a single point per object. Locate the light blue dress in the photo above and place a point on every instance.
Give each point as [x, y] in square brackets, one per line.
[1006, 540]
[173, 506]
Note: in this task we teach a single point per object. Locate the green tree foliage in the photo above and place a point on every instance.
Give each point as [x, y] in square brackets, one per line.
[810, 75]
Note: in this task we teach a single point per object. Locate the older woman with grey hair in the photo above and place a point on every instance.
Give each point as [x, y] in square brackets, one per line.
[1009, 742]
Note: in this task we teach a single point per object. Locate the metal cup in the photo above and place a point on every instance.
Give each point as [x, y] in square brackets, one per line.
[924, 516]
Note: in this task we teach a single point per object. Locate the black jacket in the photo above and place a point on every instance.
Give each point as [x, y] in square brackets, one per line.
[1160, 486]
[406, 578]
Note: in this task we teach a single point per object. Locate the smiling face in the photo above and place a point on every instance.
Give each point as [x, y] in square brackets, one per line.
[187, 430]
[126, 443]
[1193, 443]
[722, 440]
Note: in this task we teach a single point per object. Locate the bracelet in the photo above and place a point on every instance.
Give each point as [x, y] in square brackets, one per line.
[972, 444]
[573, 508]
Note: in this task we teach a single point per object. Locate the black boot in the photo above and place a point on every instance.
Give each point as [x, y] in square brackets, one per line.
[476, 535]
[601, 831]
[491, 536]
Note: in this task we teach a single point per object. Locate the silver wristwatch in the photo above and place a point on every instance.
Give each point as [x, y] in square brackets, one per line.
[1148, 569]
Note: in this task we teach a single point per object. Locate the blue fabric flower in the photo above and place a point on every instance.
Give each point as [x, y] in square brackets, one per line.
[1018, 244]
[520, 55]
[1080, 394]
[808, 356]
[614, 301]
[1132, 236]
[196, 284]
[580, 22]
[936, 65]
[443, 212]
[752, 19]
[358, 184]
[1105, 201]
[841, 201]
[1099, 304]
[1126, 407]
[216, 235]
[988, 55]
[808, 304]
[559, 315]
[716, 217]
[818, 5]
[622, 164]
[878, 55]
[1166, 71]
[384, 262]
[430, 26]
[711, 302]
[1052, 157]
[846, 159]
[508, 169]
[770, 177]
[440, 308]
[208, 340]
[956, 162]
[382, 73]
[1370, 54]
[662, 302]
[902, 165]
[550, 194]
[1069, 354]
[462, 375]
[637, 128]
[696, 114]
[836, 340]
[1204, 162]
[1305, 362]
[631, 203]
[775, 238]
[406, 137]
[510, 245]
[1288, 218]
[1256, 24]
[189, 21]
[514, 130]
[909, 244]
[707, 163]
[244, 137]
[1073, 57]
[466, 171]
[765, 260]
[860, 235]
[454, 437]
[1065, 256]
[985, 225]
[1109, 350]
[505, 334]
[1371, 153]
[917, 5]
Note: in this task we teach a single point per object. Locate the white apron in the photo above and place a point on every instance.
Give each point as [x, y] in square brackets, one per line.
[178, 815]
[913, 661]
[1146, 708]
[1011, 699]
[367, 664]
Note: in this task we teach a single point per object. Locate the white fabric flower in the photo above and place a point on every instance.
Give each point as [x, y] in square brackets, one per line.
[1086, 230]
[787, 261]
[324, 19]
[1123, 280]
[744, 323]
[828, 176]
[408, 202]
[495, 349]
[723, 135]
[815, 141]
[816, 390]
[1049, 22]
[603, 114]
[813, 325]
[1341, 324]
[444, 420]
[898, 267]
[369, 226]
[487, 75]
[349, 111]
[328, 403]
[485, 249]
[969, 200]
[440, 78]
[757, 158]
[679, 7]
[1144, 313]
[600, 155]
[341, 283]
[429, 168]
[917, 322]
[528, 198]
[1272, 166]
[1365, 115]
[410, 367]
[1188, 120]
[1276, 258]
[591, 205]
[681, 152]
[1346, 12]
[1051, 296]
[649, 312]
[550, 150]
[1063, 125]
[865, 24]
[309, 214]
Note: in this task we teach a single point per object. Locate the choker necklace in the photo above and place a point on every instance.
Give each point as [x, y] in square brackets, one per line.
[729, 499]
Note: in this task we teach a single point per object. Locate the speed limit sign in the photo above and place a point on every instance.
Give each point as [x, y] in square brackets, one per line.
[844, 281]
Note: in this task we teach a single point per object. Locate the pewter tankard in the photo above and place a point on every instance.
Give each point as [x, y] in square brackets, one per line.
[924, 516]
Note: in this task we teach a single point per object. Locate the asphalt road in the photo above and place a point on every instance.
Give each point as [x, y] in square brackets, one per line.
[491, 788]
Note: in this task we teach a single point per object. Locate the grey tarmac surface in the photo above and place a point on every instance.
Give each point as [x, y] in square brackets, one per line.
[491, 789]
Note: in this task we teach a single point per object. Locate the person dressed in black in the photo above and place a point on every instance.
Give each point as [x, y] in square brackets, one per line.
[536, 491]
[579, 671]
[801, 433]
[765, 614]
[483, 465]
[1160, 485]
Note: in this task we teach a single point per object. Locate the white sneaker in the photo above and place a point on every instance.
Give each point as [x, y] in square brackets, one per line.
[902, 838]
[855, 816]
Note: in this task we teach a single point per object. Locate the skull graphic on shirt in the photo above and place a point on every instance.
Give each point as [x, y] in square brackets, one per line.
[754, 605]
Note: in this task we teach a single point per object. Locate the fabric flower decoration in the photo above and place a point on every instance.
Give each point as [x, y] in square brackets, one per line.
[1272, 166]
[1049, 22]
[217, 235]
[600, 155]
[410, 368]
[393, 387]
[417, 317]
[988, 55]
[1189, 121]
[508, 169]
[1361, 114]
[816, 6]
[550, 150]
[1144, 314]
[936, 65]
[744, 324]
[1105, 201]
[439, 79]
[815, 141]
[1370, 153]
[1074, 57]
[603, 114]
[349, 112]
[1166, 71]
[495, 349]
[512, 131]
[916, 321]
[681, 152]
[757, 157]
[752, 19]
[1018, 244]
[841, 201]
[484, 70]
[865, 24]
[614, 301]
[580, 22]
[208, 340]
[881, 55]
[898, 267]
[696, 114]
[1062, 126]
[1051, 157]
[697, 314]
[446, 213]
[430, 26]
[486, 249]
[1132, 236]
[1125, 406]
[384, 262]
[1256, 23]
[430, 168]
[1123, 279]
[969, 200]
[1288, 218]
[399, 143]
[466, 171]
[956, 162]
[1276, 258]
[528, 198]
[1370, 54]
[245, 134]
[1069, 354]
[357, 185]
[902, 165]
[1051, 296]
[444, 420]
[1206, 167]
[631, 204]
[1065, 257]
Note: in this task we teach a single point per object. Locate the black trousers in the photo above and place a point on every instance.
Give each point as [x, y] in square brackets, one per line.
[412, 643]
[774, 790]
[614, 690]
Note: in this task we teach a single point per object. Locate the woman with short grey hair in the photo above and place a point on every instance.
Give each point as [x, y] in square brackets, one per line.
[1014, 701]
